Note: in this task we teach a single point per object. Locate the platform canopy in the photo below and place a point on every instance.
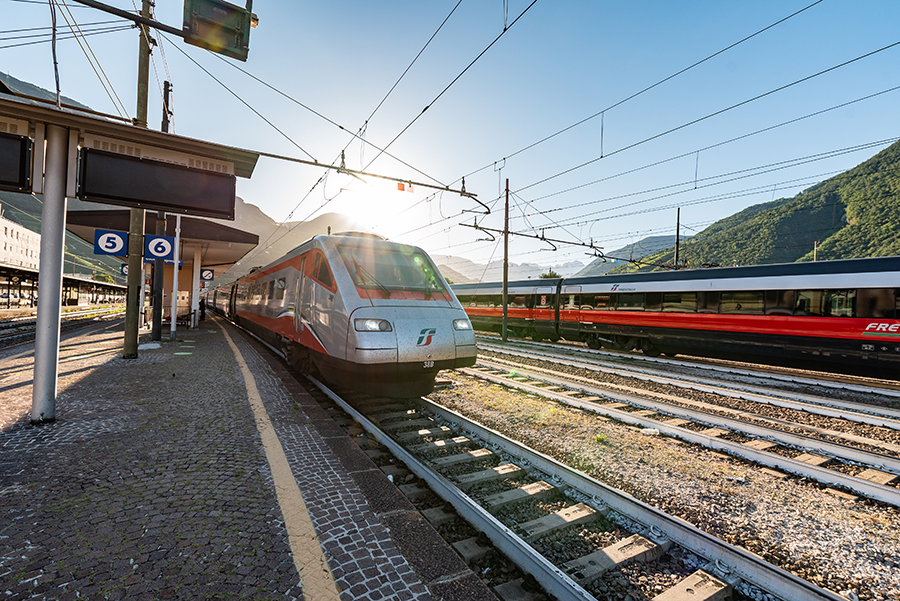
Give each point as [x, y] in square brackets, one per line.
[220, 246]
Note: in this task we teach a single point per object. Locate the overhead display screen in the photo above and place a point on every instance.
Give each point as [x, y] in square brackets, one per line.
[15, 161]
[147, 184]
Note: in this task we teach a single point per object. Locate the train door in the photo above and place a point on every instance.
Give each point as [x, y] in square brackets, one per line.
[544, 323]
[302, 306]
[570, 313]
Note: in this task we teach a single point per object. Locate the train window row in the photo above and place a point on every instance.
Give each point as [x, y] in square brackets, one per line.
[863, 302]
[263, 291]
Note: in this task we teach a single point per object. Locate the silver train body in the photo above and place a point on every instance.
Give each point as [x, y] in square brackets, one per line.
[363, 312]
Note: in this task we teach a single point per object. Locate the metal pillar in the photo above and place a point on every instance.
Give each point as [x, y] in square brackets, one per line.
[195, 290]
[53, 236]
[174, 319]
[505, 330]
[158, 283]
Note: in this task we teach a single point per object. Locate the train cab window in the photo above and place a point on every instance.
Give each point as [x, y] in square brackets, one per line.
[630, 301]
[877, 302]
[780, 302]
[279, 288]
[653, 301]
[681, 302]
[751, 301]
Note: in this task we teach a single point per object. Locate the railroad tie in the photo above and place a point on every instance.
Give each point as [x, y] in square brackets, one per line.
[587, 569]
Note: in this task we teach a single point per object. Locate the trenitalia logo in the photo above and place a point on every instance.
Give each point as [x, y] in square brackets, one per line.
[614, 288]
[425, 336]
[882, 329]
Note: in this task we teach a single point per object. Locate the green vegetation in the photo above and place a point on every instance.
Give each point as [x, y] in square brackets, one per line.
[852, 215]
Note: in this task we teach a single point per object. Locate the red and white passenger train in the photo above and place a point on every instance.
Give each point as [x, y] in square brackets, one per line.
[363, 312]
[833, 315]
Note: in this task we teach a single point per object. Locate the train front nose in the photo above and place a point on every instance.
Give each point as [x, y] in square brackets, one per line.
[424, 341]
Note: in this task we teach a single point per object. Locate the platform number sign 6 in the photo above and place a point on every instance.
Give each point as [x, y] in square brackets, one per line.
[159, 247]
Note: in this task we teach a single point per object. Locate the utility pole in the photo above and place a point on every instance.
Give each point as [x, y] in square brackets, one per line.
[158, 264]
[136, 226]
[504, 332]
[677, 235]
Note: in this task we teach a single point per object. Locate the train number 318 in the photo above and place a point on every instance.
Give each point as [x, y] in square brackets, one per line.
[429, 364]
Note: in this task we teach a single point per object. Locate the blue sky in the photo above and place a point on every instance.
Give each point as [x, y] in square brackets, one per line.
[558, 64]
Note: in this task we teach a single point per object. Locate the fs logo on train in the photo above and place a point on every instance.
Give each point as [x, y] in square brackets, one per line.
[425, 336]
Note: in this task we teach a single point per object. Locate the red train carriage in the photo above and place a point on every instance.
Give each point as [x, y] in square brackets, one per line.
[828, 315]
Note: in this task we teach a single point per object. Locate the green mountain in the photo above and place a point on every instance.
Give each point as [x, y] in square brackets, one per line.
[853, 215]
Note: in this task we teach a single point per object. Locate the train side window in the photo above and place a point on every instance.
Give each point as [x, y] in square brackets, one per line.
[279, 288]
[681, 302]
[653, 301]
[750, 301]
[809, 302]
[571, 302]
[271, 293]
[780, 302]
[876, 302]
[708, 302]
[598, 302]
[630, 301]
[517, 301]
[839, 303]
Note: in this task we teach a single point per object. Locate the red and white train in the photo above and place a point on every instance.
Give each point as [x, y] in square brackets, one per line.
[363, 312]
[833, 315]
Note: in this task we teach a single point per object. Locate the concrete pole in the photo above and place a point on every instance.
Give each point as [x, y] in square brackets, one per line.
[195, 290]
[174, 325]
[136, 228]
[53, 237]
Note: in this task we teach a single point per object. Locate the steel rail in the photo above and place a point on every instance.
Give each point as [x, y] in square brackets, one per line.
[860, 412]
[554, 580]
[871, 490]
[790, 378]
[704, 416]
[750, 567]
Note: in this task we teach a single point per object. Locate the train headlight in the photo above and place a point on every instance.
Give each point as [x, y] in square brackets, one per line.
[372, 325]
[462, 324]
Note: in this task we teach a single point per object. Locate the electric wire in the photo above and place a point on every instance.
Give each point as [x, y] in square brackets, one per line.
[648, 88]
[733, 176]
[92, 59]
[449, 85]
[711, 115]
[67, 36]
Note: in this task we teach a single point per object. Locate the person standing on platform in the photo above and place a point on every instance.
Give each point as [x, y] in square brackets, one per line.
[202, 309]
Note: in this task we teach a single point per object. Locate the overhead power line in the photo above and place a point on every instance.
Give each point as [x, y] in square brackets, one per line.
[648, 88]
[710, 115]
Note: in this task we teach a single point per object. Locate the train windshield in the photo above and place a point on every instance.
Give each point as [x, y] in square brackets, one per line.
[386, 269]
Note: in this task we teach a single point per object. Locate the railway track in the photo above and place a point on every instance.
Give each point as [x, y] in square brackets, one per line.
[542, 535]
[837, 446]
[525, 503]
[21, 329]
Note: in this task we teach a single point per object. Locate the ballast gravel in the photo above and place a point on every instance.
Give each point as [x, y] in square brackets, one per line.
[838, 543]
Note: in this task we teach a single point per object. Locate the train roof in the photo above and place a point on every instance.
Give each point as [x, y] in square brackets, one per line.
[879, 272]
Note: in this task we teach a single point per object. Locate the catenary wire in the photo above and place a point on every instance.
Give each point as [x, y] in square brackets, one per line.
[710, 115]
[648, 88]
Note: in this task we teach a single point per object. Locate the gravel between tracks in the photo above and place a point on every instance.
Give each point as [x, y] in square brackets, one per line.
[836, 543]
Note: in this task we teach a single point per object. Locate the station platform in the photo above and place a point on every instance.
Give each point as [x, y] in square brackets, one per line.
[201, 469]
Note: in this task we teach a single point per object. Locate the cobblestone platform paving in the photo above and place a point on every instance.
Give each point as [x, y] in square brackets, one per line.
[153, 483]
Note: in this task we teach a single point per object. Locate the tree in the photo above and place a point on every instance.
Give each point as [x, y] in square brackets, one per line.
[549, 275]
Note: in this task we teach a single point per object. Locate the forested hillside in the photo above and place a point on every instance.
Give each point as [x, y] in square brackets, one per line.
[852, 215]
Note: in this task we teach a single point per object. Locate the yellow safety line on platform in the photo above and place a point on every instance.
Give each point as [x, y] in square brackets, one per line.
[315, 575]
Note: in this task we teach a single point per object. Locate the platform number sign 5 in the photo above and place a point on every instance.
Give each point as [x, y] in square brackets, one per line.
[110, 242]
[159, 247]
